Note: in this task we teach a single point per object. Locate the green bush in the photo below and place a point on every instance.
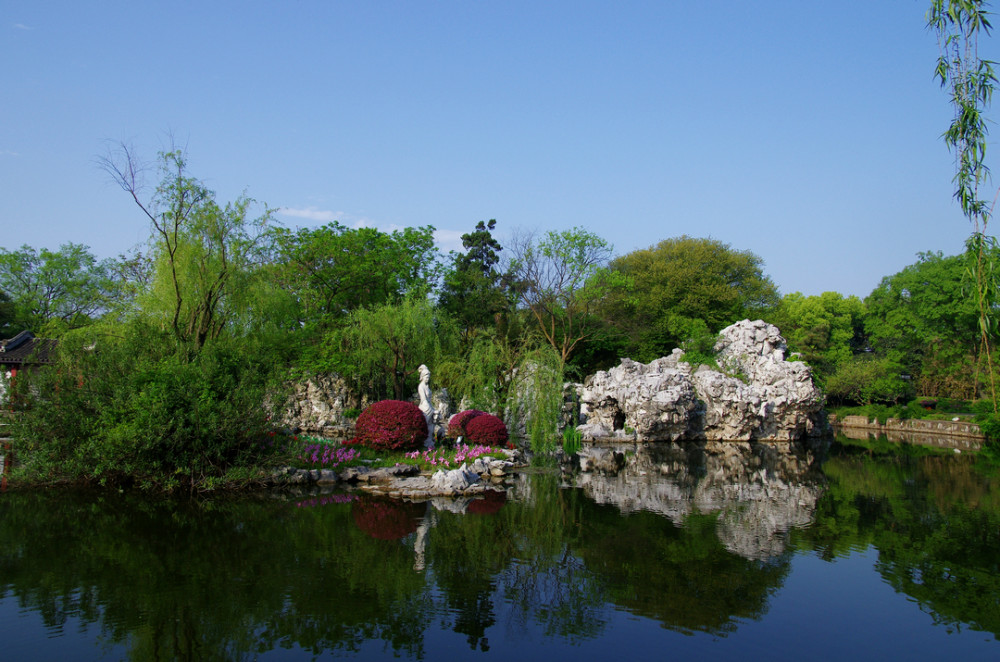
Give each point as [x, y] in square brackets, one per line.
[699, 348]
[572, 441]
[866, 380]
[989, 423]
[140, 408]
[954, 406]
[912, 409]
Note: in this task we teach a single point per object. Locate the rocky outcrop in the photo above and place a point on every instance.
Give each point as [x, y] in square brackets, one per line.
[318, 405]
[755, 395]
[326, 406]
[485, 474]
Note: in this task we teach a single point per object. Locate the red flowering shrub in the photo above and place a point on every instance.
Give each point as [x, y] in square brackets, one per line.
[487, 430]
[457, 423]
[386, 519]
[391, 425]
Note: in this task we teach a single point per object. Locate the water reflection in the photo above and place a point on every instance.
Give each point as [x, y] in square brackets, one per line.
[684, 539]
[759, 491]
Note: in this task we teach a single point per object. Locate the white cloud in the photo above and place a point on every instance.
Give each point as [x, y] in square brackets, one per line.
[21, 26]
[312, 214]
[7, 152]
[448, 240]
[327, 216]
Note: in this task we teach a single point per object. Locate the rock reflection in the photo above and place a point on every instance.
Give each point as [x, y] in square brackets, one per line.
[760, 490]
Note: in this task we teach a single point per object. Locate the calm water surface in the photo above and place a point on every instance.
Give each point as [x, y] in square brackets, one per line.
[869, 552]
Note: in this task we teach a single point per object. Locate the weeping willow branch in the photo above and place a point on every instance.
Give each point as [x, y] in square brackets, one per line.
[971, 80]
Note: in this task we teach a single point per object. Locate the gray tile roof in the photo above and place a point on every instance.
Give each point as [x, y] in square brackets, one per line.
[26, 349]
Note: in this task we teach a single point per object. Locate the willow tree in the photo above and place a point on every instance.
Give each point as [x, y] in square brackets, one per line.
[971, 81]
[381, 348]
[204, 254]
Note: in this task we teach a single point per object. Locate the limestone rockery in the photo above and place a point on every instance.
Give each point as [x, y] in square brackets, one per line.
[756, 394]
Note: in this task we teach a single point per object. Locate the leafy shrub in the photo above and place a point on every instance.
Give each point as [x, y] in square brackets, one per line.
[457, 424]
[141, 409]
[954, 406]
[487, 430]
[867, 380]
[699, 348]
[989, 424]
[391, 425]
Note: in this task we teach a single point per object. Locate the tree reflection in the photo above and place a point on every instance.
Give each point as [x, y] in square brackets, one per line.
[234, 578]
[211, 580]
[933, 517]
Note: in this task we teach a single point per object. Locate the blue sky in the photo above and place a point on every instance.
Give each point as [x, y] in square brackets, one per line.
[806, 132]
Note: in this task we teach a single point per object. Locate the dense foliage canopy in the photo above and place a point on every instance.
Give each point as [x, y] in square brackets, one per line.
[48, 291]
[685, 286]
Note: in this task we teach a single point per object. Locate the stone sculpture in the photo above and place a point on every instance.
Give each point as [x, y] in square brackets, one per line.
[426, 406]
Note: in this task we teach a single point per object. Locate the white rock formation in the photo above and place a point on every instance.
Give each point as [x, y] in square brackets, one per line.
[456, 480]
[317, 406]
[760, 396]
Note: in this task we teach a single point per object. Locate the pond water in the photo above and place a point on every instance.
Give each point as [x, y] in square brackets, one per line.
[869, 552]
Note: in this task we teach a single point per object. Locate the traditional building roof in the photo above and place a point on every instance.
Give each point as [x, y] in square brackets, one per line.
[26, 349]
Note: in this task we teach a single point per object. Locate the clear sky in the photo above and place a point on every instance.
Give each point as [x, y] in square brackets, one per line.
[805, 131]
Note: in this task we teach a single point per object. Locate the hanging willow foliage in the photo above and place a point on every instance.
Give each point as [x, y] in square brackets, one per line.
[971, 80]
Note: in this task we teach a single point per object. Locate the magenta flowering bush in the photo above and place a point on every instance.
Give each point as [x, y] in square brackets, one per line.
[457, 423]
[327, 456]
[487, 430]
[391, 425]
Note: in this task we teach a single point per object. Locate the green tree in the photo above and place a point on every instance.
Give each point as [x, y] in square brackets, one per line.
[482, 375]
[205, 256]
[333, 270]
[473, 291]
[170, 391]
[560, 279]
[826, 330]
[8, 317]
[50, 291]
[865, 379]
[922, 320]
[380, 348]
[683, 287]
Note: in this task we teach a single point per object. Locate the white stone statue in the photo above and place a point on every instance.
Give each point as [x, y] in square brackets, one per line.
[424, 391]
